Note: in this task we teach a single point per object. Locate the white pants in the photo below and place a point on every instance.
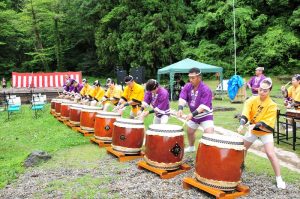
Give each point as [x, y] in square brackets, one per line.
[204, 124]
[163, 120]
[250, 137]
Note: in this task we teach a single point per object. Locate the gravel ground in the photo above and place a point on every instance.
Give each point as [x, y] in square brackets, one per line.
[129, 182]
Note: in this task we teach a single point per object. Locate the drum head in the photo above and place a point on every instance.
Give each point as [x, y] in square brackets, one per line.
[76, 106]
[292, 111]
[223, 141]
[68, 103]
[92, 108]
[169, 130]
[105, 114]
[129, 121]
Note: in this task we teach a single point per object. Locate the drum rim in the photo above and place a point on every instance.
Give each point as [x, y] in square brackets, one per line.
[160, 128]
[105, 113]
[68, 103]
[96, 108]
[292, 111]
[229, 138]
[204, 137]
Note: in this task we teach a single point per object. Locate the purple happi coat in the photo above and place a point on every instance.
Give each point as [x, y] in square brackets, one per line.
[201, 97]
[159, 101]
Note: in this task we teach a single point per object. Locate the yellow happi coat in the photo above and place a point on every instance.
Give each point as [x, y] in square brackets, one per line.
[264, 112]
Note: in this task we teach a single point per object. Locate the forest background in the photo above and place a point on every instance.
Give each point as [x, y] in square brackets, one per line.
[96, 36]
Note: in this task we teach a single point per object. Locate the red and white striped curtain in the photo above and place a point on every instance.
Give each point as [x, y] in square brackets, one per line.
[42, 80]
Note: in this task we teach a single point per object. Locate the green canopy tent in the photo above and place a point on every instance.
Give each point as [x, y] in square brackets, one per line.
[184, 66]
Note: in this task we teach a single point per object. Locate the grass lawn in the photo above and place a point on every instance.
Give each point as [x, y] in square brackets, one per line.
[23, 134]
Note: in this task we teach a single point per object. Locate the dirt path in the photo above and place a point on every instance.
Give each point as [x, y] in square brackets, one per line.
[88, 172]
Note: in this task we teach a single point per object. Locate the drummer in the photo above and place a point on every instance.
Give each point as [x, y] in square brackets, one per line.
[198, 96]
[158, 98]
[260, 111]
[68, 88]
[292, 94]
[133, 95]
[77, 88]
[112, 95]
[255, 81]
[85, 89]
[96, 93]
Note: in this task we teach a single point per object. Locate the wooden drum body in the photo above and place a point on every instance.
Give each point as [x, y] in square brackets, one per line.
[58, 106]
[164, 146]
[65, 110]
[74, 114]
[87, 117]
[128, 136]
[218, 161]
[104, 124]
[53, 105]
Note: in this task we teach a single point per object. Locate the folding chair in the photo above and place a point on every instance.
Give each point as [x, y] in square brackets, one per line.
[37, 103]
[13, 105]
[221, 90]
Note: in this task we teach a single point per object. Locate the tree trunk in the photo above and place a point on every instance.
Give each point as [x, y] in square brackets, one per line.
[57, 45]
[38, 41]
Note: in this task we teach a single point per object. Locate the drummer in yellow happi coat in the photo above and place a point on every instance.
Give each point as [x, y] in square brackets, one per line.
[86, 87]
[112, 95]
[133, 95]
[96, 93]
[261, 112]
[292, 94]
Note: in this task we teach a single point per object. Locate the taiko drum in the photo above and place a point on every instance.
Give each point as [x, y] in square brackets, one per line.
[218, 161]
[87, 117]
[164, 146]
[104, 124]
[128, 136]
[65, 109]
[74, 114]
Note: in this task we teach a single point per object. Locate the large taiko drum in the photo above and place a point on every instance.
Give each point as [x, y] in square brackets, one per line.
[164, 146]
[58, 106]
[128, 136]
[104, 124]
[65, 109]
[87, 117]
[74, 114]
[218, 161]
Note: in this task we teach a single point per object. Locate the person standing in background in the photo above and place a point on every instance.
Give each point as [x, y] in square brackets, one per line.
[3, 82]
[255, 81]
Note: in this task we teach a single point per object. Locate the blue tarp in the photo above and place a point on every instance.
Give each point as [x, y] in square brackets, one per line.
[234, 84]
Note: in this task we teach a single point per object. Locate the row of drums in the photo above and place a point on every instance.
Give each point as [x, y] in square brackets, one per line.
[218, 160]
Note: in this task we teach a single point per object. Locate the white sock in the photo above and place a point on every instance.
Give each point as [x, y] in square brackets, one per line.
[278, 178]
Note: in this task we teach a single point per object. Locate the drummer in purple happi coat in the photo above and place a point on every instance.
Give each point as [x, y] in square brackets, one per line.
[158, 98]
[198, 97]
[255, 81]
[77, 87]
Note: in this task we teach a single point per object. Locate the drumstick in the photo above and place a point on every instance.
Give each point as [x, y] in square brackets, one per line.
[287, 84]
[184, 123]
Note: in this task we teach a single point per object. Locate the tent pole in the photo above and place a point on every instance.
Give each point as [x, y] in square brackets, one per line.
[221, 80]
[234, 37]
[171, 84]
[158, 78]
